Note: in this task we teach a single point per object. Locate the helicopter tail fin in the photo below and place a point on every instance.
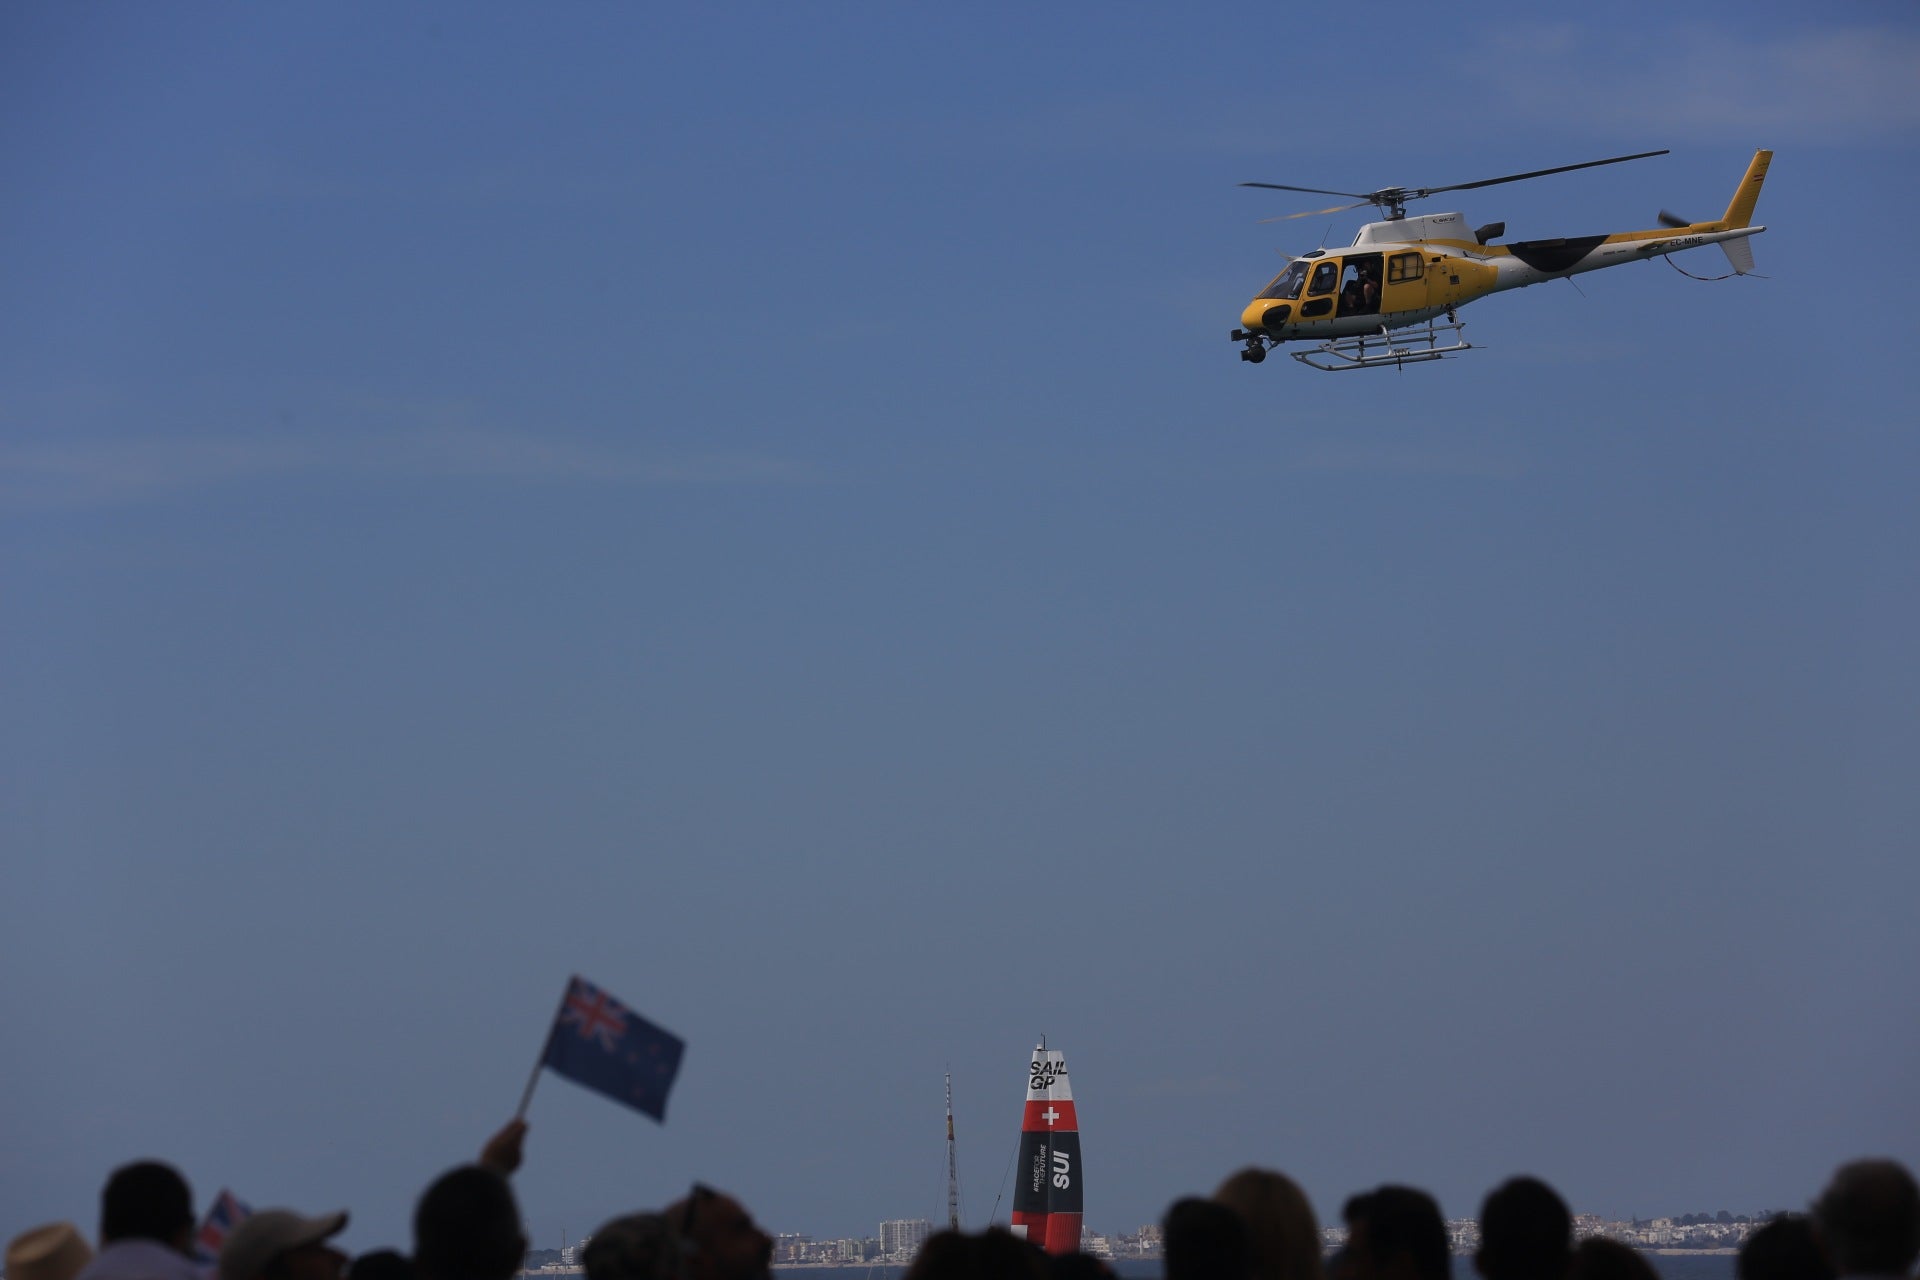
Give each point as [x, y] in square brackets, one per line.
[1740, 255]
[1747, 194]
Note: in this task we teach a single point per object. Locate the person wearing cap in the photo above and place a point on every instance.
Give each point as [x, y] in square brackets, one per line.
[279, 1244]
[53, 1252]
[638, 1246]
[146, 1226]
[719, 1237]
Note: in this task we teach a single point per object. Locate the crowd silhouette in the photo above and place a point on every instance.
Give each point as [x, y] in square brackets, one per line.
[1257, 1225]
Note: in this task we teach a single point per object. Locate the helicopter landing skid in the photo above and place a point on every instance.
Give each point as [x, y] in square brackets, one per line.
[1386, 349]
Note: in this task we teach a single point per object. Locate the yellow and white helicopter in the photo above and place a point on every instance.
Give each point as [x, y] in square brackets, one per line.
[1378, 302]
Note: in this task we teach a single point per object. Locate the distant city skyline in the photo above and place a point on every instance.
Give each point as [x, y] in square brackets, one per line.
[895, 1237]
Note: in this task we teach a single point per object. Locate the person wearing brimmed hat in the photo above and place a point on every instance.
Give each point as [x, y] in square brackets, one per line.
[53, 1252]
[279, 1244]
[638, 1246]
[146, 1226]
[721, 1239]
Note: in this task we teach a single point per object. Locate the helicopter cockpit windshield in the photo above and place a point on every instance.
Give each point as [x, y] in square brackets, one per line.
[1287, 283]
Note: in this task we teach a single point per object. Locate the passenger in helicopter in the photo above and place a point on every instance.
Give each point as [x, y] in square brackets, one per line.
[1360, 289]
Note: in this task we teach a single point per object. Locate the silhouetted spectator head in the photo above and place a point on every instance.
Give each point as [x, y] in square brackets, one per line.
[279, 1244]
[381, 1264]
[1869, 1216]
[640, 1246]
[1787, 1248]
[994, 1254]
[1395, 1233]
[1076, 1266]
[1598, 1258]
[721, 1239]
[147, 1200]
[1526, 1232]
[945, 1255]
[467, 1227]
[56, 1251]
[1005, 1256]
[1205, 1241]
[1282, 1233]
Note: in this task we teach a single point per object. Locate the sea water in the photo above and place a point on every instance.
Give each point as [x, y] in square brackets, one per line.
[1671, 1266]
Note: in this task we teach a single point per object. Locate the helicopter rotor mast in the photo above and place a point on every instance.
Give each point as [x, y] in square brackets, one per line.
[1392, 201]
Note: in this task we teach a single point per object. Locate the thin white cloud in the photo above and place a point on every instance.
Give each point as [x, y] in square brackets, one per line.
[1400, 460]
[114, 472]
[1709, 83]
[1655, 81]
[524, 456]
[110, 472]
[275, 178]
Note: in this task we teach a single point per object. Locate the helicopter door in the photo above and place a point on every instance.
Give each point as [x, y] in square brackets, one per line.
[1360, 285]
[1320, 289]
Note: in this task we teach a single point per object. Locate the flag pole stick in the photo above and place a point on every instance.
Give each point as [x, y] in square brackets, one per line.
[532, 1080]
[541, 1061]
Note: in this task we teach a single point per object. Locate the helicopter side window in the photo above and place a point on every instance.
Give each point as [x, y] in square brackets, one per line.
[1324, 277]
[1287, 283]
[1402, 267]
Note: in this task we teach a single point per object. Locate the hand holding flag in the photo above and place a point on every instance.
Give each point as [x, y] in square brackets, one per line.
[504, 1150]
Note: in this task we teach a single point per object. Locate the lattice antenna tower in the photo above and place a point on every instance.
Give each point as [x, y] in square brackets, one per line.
[953, 1166]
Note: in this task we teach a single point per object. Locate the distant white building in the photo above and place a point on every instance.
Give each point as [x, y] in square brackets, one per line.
[902, 1237]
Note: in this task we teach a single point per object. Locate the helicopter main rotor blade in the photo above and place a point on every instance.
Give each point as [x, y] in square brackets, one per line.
[1537, 173]
[1312, 191]
[1674, 220]
[1314, 213]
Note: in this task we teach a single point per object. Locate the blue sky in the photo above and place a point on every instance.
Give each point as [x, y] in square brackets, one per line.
[759, 508]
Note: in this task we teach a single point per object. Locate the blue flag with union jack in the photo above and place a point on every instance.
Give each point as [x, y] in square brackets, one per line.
[228, 1212]
[598, 1042]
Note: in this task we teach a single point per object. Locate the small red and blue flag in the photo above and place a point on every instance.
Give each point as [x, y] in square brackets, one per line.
[228, 1212]
[601, 1044]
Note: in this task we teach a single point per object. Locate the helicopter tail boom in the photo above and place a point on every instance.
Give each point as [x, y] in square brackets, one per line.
[1731, 232]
